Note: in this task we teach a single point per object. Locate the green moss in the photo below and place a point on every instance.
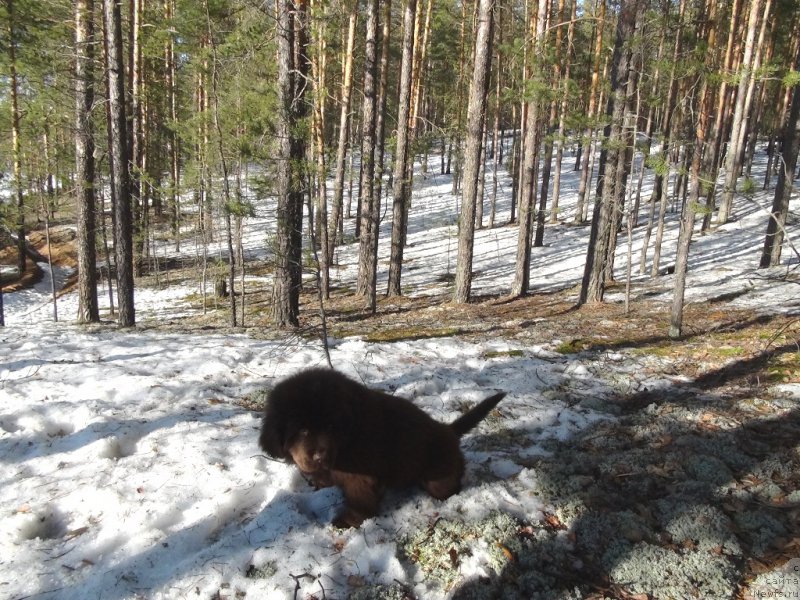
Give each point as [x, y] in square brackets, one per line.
[784, 368]
[502, 353]
[411, 333]
[728, 351]
[573, 346]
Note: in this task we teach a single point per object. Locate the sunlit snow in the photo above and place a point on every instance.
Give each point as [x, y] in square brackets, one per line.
[127, 470]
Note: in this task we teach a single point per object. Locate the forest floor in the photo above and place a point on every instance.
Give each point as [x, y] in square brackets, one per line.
[691, 490]
[688, 491]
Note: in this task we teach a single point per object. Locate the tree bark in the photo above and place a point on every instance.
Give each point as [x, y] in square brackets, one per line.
[588, 143]
[692, 205]
[337, 201]
[88, 311]
[773, 242]
[476, 118]
[530, 158]
[118, 154]
[370, 205]
[746, 75]
[228, 206]
[593, 284]
[562, 113]
[720, 119]
[319, 75]
[16, 151]
[291, 80]
[173, 136]
[401, 191]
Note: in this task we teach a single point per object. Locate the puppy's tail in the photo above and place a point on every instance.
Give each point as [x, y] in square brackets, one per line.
[475, 415]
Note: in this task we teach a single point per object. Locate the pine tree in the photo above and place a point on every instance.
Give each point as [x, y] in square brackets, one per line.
[292, 65]
[476, 118]
[612, 172]
[84, 162]
[401, 183]
[773, 242]
[119, 158]
[370, 205]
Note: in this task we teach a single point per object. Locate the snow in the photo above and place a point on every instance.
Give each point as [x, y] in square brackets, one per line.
[128, 470]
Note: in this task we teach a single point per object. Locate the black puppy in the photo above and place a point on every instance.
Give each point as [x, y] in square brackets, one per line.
[339, 432]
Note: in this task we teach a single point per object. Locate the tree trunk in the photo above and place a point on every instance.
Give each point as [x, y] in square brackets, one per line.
[370, 205]
[88, 311]
[173, 137]
[136, 132]
[228, 205]
[690, 210]
[588, 136]
[771, 254]
[497, 137]
[476, 118]
[337, 201]
[401, 191]
[16, 152]
[319, 75]
[562, 114]
[530, 158]
[718, 127]
[611, 178]
[383, 87]
[667, 130]
[118, 154]
[291, 79]
[747, 78]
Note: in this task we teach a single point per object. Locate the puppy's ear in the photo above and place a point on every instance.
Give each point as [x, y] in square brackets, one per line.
[272, 435]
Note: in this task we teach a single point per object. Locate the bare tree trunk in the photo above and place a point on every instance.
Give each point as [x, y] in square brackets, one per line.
[455, 144]
[370, 205]
[718, 127]
[662, 168]
[118, 153]
[228, 206]
[292, 69]
[319, 74]
[747, 78]
[771, 254]
[174, 139]
[530, 153]
[476, 118]
[588, 143]
[690, 210]
[380, 121]
[88, 311]
[344, 128]
[401, 191]
[136, 132]
[610, 178]
[16, 152]
[497, 138]
[562, 114]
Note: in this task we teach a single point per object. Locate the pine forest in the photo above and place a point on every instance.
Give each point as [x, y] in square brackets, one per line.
[586, 204]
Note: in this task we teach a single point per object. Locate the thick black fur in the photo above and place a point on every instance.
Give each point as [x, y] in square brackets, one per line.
[339, 432]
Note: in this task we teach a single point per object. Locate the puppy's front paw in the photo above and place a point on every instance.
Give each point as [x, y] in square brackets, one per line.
[348, 518]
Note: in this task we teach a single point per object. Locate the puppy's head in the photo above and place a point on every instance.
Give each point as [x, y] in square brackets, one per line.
[311, 451]
[310, 402]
